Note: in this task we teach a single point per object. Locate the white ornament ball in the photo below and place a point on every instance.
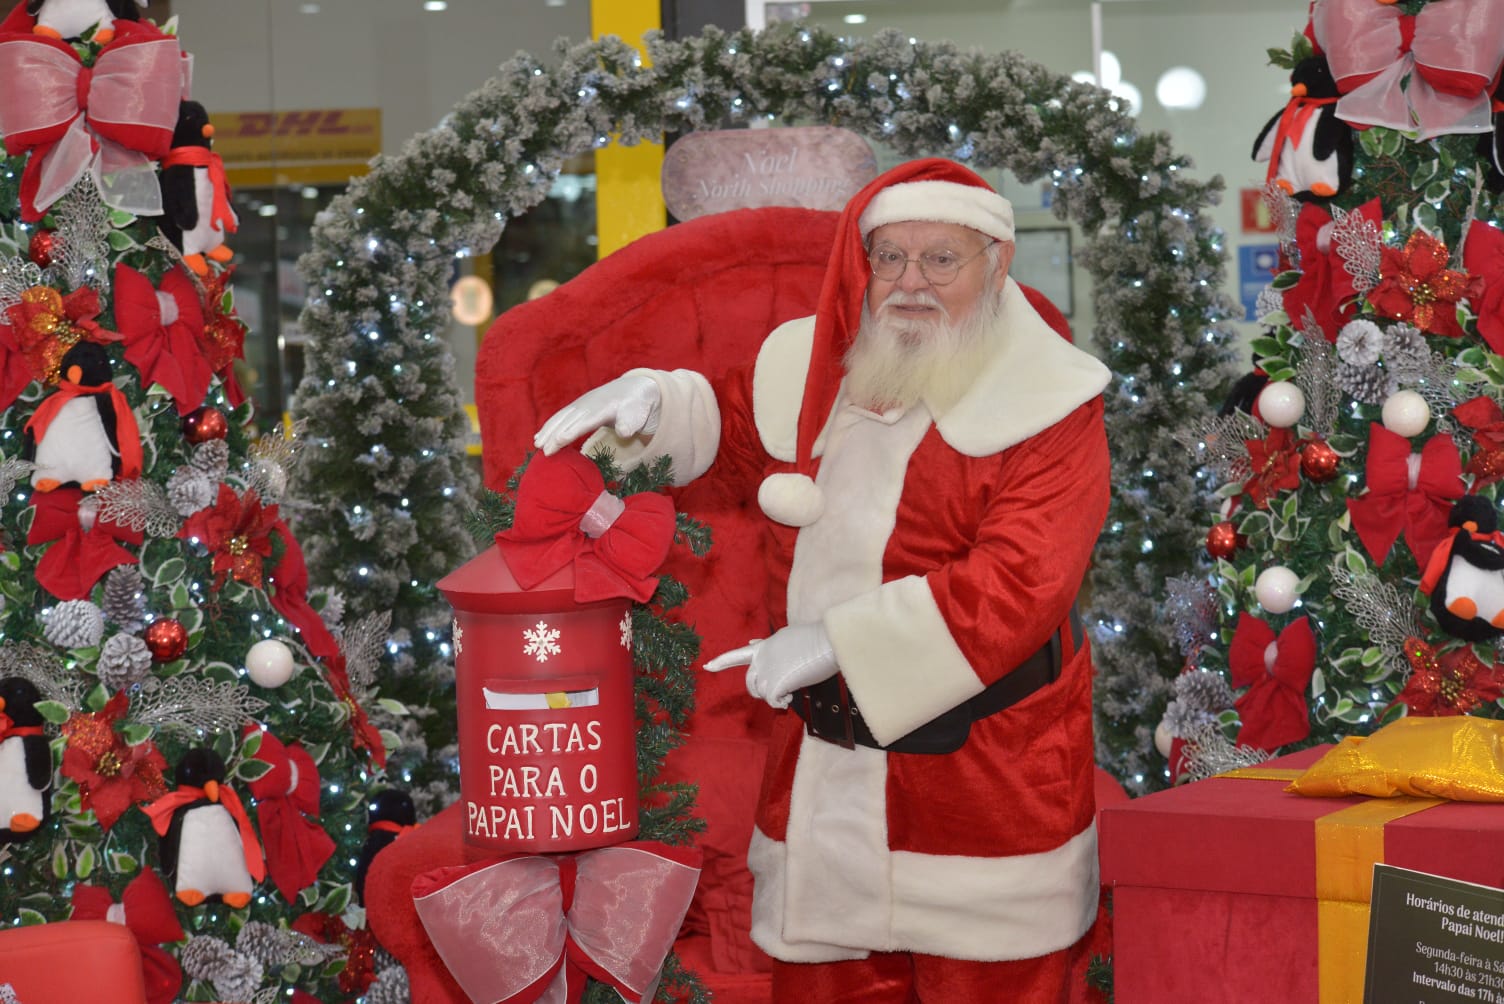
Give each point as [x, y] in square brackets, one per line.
[269, 663]
[1406, 413]
[1276, 589]
[1164, 739]
[1281, 404]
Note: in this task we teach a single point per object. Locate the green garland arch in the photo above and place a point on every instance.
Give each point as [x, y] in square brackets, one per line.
[386, 473]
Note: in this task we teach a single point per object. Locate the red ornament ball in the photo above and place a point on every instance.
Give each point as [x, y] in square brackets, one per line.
[1223, 540]
[40, 250]
[204, 424]
[1319, 462]
[166, 639]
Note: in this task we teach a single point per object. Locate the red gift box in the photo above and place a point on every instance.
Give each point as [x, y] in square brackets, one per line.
[1231, 890]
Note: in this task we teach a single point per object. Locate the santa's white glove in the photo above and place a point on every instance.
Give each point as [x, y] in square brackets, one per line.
[629, 404]
[797, 656]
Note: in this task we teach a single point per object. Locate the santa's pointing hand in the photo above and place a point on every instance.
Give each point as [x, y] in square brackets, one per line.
[796, 656]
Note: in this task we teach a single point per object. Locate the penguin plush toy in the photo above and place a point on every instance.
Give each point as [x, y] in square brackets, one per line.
[1308, 148]
[84, 432]
[71, 18]
[208, 848]
[196, 211]
[389, 814]
[1465, 576]
[25, 761]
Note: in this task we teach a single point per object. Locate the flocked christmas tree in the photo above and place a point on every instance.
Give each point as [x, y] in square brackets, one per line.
[181, 727]
[1359, 574]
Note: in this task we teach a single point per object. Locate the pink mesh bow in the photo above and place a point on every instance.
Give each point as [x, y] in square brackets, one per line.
[1451, 53]
[112, 119]
[531, 928]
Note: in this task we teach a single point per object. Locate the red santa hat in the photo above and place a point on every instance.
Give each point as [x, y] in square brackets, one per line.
[929, 191]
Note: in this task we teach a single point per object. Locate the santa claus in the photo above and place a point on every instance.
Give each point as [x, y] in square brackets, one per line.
[933, 463]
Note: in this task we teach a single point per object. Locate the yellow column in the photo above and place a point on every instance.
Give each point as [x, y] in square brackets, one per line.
[628, 191]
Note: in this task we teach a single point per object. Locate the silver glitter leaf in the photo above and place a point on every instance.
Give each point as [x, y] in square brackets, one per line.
[1315, 375]
[1207, 752]
[1358, 242]
[45, 670]
[1378, 607]
[140, 505]
[187, 706]
[1217, 442]
[1191, 607]
[17, 275]
[13, 470]
[1285, 211]
[362, 644]
[81, 249]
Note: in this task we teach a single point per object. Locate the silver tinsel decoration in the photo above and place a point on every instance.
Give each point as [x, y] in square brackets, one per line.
[139, 504]
[13, 470]
[81, 252]
[1191, 608]
[213, 458]
[1358, 242]
[124, 662]
[1315, 378]
[362, 644]
[187, 705]
[1207, 752]
[1285, 211]
[1360, 343]
[124, 598]
[74, 624]
[236, 977]
[1387, 616]
[189, 490]
[44, 669]
[1216, 442]
[17, 275]
[1368, 384]
[269, 462]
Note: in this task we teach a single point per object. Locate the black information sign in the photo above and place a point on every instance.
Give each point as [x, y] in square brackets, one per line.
[1433, 940]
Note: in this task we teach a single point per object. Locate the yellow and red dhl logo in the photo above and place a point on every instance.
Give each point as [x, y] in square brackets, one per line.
[352, 134]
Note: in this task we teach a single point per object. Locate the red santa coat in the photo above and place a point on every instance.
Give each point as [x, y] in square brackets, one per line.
[950, 549]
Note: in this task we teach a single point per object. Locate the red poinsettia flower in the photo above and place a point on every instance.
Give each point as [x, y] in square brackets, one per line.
[46, 324]
[1276, 466]
[1449, 683]
[1484, 416]
[237, 531]
[111, 774]
[1325, 289]
[1415, 285]
[1483, 257]
[224, 334]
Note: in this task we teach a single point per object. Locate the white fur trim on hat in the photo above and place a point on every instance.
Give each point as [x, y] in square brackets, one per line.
[791, 499]
[940, 202]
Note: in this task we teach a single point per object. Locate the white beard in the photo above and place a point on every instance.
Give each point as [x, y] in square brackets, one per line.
[895, 361]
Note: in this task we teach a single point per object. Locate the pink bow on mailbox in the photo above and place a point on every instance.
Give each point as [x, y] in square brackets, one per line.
[1451, 53]
[112, 119]
[564, 514]
[531, 928]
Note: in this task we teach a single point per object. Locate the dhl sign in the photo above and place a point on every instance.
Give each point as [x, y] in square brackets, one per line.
[306, 146]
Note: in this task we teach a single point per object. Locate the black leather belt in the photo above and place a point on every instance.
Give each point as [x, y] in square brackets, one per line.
[829, 712]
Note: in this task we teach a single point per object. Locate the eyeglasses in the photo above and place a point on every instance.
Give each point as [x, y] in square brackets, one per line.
[938, 267]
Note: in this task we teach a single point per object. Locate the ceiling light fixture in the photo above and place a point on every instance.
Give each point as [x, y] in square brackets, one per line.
[855, 19]
[435, 5]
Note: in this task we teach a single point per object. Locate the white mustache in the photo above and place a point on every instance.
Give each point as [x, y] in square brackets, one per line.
[898, 298]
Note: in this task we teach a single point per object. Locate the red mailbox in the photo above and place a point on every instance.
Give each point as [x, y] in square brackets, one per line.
[547, 727]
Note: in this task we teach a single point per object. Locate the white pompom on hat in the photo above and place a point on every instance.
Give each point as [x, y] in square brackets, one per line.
[931, 190]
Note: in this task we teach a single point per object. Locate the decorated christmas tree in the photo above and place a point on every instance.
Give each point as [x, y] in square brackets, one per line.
[1358, 569]
[183, 727]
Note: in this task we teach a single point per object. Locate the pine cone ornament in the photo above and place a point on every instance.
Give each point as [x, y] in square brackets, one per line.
[189, 490]
[125, 598]
[391, 987]
[1367, 384]
[213, 458]
[74, 624]
[124, 662]
[236, 977]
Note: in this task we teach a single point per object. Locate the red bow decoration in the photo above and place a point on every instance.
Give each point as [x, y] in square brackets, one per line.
[1326, 286]
[1484, 416]
[1395, 502]
[160, 813]
[515, 929]
[286, 795]
[1483, 257]
[147, 911]
[163, 332]
[289, 594]
[112, 119]
[86, 546]
[1450, 683]
[1276, 672]
[1450, 52]
[564, 514]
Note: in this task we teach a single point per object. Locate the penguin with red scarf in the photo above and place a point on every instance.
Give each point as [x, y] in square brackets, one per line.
[67, 19]
[84, 432]
[25, 761]
[196, 210]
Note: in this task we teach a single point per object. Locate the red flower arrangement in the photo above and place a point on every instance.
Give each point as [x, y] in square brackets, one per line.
[111, 774]
[224, 334]
[1415, 285]
[36, 332]
[1452, 683]
[237, 531]
[1276, 466]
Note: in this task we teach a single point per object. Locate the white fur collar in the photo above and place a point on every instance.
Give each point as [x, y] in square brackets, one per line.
[1036, 379]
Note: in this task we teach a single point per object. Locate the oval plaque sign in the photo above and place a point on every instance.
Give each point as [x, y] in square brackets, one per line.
[813, 167]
